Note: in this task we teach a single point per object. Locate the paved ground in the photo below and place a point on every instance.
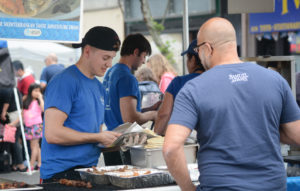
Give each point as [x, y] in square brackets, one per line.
[34, 178]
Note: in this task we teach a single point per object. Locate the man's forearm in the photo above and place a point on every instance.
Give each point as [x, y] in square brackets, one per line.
[290, 133]
[284, 138]
[164, 114]
[68, 136]
[4, 110]
[141, 118]
[161, 124]
[177, 166]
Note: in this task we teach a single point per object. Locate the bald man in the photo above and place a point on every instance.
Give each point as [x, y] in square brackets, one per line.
[241, 112]
[52, 68]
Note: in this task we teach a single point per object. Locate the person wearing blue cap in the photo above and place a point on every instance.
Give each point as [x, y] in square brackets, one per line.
[195, 68]
[74, 109]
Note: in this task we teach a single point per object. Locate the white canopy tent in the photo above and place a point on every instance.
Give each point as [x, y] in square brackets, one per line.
[33, 53]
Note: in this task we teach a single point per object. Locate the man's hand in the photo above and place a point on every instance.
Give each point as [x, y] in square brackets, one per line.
[108, 137]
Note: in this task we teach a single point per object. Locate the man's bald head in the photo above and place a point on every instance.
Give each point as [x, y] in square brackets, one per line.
[51, 59]
[218, 43]
[216, 31]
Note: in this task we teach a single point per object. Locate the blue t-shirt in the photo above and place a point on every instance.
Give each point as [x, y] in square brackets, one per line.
[118, 83]
[178, 82]
[237, 121]
[50, 71]
[82, 99]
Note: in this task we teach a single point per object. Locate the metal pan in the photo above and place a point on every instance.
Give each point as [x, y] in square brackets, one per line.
[87, 174]
[140, 178]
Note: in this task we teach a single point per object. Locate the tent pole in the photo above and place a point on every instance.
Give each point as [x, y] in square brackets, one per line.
[185, 32]
[22, 129]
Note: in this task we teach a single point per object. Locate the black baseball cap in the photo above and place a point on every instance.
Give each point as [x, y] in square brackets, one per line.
[101, 37]
[190, 49]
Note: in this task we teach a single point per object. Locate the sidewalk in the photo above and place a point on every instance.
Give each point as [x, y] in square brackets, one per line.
[34, 178]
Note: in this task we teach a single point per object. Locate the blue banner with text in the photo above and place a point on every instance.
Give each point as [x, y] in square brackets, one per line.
[39, 29]
[50, 20]
[286, 17]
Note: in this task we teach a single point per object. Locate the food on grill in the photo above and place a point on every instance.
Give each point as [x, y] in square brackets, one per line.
[101, 172]
[96, 171]
[25, 8]
[11, 185]
[75, 183]
[155, 142]
[135, 173]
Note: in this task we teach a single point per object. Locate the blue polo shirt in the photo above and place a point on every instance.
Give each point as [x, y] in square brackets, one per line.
[237, 110]
[118, 83]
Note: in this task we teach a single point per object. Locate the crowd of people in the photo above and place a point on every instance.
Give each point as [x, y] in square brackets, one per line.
[31, 103]
[223, 98]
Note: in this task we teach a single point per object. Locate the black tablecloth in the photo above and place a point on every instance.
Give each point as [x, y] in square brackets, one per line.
[292, 159]
[60, 187]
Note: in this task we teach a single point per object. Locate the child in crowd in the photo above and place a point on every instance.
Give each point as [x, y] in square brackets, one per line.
[33, 106]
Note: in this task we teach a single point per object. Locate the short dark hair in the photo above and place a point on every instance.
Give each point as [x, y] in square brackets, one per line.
[18, 65]
[135, 41]
[198, 61]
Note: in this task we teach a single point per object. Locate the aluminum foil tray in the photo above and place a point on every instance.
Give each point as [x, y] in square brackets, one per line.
[87, 174]
[140, 178]
[193, 170]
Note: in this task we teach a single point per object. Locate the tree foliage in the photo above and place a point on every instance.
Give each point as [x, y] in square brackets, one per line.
[155, 30]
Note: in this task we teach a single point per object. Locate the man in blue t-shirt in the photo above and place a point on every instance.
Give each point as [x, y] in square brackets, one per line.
[74, 109]
[195, 68]
[241, 112]
[123, 103]
[52, 68]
